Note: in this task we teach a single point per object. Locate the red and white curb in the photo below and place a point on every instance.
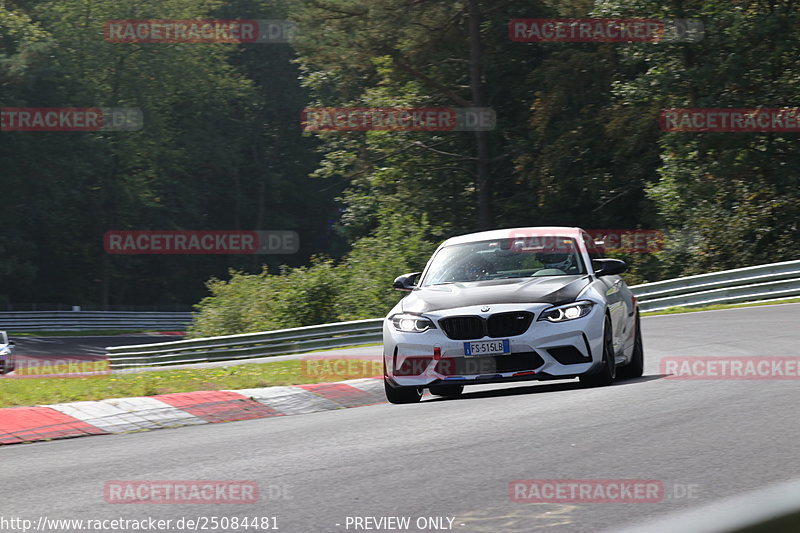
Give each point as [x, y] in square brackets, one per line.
[121, 415]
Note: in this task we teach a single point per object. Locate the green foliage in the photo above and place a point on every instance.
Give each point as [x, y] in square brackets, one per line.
[577, 143]
[728, 199]
[360, 286]
[259, 302]
[399, 246]
[220, 149]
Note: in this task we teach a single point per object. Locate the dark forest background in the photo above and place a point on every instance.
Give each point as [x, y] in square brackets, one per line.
[577, 142]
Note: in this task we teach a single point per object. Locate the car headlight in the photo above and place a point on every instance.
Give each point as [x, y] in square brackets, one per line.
[408, 323]
[5, 351]
[562, 313]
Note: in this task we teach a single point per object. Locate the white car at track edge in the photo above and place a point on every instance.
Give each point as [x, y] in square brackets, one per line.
[511, 305]
[6, 353]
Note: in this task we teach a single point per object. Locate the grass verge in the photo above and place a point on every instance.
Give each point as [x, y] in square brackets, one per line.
[715, 307]
[35, 391]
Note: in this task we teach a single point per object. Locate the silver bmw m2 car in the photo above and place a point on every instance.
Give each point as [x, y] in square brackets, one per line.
[511, 305]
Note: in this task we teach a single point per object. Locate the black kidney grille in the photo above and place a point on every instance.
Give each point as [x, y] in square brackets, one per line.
[509, 324]
[463, 327]
[475, 327]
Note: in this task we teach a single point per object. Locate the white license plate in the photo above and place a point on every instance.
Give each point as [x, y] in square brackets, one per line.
[498, 347]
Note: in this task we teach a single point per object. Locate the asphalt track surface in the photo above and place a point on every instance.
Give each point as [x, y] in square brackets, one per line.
[704, 440]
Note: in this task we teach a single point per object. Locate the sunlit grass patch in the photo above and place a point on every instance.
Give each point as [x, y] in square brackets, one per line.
[26, 391]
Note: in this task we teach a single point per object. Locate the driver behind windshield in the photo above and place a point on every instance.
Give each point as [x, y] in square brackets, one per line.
[497, 260]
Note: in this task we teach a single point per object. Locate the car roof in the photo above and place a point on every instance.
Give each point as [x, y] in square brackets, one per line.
[538, 231]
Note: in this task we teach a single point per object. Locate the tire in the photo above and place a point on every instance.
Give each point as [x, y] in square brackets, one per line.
[402, 394]
[607, 373]
[635, 368]
[447, 391]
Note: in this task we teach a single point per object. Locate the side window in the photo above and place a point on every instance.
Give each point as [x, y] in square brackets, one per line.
[596, 251]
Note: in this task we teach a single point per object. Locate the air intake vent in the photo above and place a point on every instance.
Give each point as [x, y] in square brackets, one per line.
[568, 355]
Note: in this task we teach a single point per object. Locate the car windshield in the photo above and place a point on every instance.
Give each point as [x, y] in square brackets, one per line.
[505, 258]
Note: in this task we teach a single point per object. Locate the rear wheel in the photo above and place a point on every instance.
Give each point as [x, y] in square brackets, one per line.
[635, 368]
[605, 376]
[447, 391]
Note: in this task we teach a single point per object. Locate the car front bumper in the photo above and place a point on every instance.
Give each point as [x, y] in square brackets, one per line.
[546, 350]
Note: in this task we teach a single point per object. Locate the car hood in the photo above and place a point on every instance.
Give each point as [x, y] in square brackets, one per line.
[551, 290]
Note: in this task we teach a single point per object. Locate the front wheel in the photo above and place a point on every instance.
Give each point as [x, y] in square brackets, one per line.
[607, 373]
[635, 368]
[402, 394]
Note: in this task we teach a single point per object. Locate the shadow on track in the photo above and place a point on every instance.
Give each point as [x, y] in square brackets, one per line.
[542, 388]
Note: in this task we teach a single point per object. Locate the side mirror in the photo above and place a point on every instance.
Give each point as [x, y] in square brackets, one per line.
[12, 343]
[406, 282]
[608, 267]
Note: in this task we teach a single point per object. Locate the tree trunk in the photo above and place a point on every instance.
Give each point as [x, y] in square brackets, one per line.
[484, 178]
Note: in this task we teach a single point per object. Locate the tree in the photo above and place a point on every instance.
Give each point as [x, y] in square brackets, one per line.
[406, 54]
[728, 199]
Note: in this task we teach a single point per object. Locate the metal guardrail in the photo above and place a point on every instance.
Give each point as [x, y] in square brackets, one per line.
[772, 281]
[763, 282]
[248, 345]
[92, 320]
[162, 308]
